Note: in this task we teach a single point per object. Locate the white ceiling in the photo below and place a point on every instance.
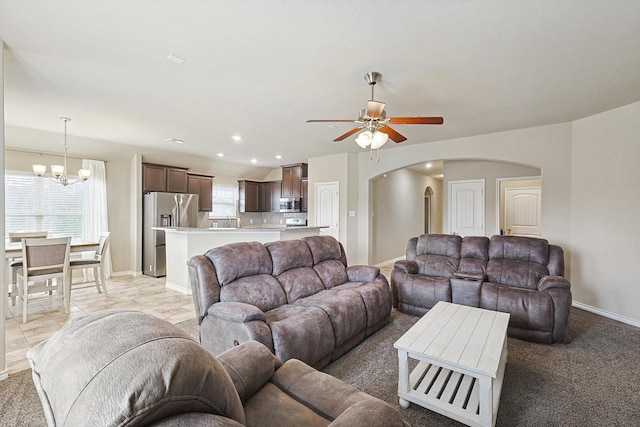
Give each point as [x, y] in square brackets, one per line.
[260, 69]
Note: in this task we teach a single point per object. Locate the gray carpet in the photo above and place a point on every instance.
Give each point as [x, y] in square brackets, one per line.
[592, 381]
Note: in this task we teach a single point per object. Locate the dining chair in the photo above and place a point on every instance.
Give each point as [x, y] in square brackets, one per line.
[42, 260]
[15, 263]
[96, 264]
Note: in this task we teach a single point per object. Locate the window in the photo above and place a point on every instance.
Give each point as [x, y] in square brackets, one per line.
[225, 197]
[39, 204]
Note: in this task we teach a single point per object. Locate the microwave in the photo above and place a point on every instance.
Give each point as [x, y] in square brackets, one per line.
[289, 205]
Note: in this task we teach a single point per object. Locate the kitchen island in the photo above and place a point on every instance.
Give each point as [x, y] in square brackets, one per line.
[182, 243]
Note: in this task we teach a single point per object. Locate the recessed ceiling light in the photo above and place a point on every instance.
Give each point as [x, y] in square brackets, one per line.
[220, 154]
[175, 59]
[278, 156]
[236, 138]
[177, 141]
[333, 126]
[254, 160]
[428, 165]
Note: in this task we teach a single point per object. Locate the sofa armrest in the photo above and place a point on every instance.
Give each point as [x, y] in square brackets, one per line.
[407, 267]
[238, 312]
[467, 275]
[362, 273]
[250, 366]
[553, 282]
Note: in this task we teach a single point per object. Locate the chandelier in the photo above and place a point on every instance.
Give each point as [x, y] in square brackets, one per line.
[60, 172]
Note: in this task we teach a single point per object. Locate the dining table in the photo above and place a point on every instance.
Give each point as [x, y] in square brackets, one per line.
[13, 250]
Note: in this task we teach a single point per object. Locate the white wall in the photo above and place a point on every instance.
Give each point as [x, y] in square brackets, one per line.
[490, 171]
[398, 211]
[605, 203]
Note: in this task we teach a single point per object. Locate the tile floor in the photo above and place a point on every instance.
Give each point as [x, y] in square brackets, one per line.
[143, 293]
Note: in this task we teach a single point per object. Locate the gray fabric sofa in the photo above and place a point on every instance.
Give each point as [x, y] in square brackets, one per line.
[127, 368]
[521, 276]
[297, 297]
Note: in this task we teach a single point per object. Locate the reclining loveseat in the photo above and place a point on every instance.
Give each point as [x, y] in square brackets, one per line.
[522, 276]
[127, 368]
[297, 297]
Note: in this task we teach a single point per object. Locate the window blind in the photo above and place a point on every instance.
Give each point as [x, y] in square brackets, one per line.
[225, 197]
[39, 204]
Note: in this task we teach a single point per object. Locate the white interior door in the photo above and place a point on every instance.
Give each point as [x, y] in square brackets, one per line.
[466, 207]
[328, 208]
[523, 210]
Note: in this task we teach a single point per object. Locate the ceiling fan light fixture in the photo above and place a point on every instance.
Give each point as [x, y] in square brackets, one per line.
[378, 140]
[364, 139]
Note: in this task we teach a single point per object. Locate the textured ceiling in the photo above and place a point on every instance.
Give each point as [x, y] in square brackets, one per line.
[260, 69]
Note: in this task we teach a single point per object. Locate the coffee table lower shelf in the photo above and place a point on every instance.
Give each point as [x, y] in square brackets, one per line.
[451, 393]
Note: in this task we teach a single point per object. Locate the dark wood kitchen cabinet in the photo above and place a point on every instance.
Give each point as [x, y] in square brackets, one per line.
[292, 180]
[249, 195]
[202, 185]
[270, 196]
[163, 178]
[304, 196]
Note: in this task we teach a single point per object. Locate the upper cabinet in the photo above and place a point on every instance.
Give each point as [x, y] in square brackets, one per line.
[259, 196]
[304, 198]
[202, 185]
[163, 178]
[292, 176]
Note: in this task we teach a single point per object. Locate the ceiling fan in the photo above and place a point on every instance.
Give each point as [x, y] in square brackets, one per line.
[375, 123]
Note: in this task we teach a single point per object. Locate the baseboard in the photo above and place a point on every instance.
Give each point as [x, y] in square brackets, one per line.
[608, 314]
[126, 273]
[178, 288]
[4, 375]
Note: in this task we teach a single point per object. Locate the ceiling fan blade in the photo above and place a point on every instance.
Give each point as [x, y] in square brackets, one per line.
[374, 109]
[323, 121]
[392, 134]
[348, 134]
[416, 120]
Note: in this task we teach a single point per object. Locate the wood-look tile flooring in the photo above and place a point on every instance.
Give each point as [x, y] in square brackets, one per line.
[143, 293]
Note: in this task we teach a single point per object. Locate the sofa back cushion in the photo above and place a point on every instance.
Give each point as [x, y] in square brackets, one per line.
[293, 267]
[517, 261]
[238, 260]
[244, 274]
[437, 254]
[329, 260]
[474, 254]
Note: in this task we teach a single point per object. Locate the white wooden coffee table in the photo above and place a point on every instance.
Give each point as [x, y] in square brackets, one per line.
[462, 353]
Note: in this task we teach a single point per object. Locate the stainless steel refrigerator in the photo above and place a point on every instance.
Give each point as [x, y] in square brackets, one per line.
[169, 210]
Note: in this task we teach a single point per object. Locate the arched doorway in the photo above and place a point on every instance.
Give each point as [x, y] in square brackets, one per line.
[428, 192]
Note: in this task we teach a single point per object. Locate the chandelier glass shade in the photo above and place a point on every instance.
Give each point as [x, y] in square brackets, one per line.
[59, 172]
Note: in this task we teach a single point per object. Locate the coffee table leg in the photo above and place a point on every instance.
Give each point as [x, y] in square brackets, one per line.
[403, 377]
[486, 401]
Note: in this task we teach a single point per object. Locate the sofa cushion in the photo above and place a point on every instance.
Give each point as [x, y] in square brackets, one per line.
[238, 260]
[151, 369]
[423, 291]
[438, 254]
[474, 254]
[517, 261]
[331, 272]
[289, 254]
[261, 290]
[303, 333]
[325, 248]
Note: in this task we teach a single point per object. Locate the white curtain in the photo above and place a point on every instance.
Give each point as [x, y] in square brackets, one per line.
[95, 218]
